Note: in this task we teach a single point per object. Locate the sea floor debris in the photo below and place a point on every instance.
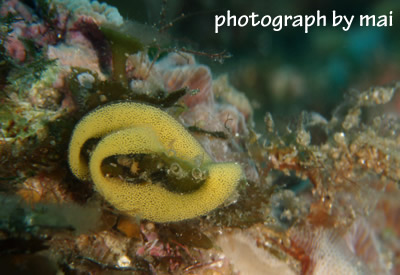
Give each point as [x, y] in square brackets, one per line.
[321, 196]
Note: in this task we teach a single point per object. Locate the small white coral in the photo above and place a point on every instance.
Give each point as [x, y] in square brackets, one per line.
[103, 13]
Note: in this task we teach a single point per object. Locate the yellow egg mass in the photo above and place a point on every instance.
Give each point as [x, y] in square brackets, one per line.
[133, 129]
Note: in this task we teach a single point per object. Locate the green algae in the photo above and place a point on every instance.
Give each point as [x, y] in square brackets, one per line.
[216, 134]
[174, 174]
[122, 45]
[102, 92]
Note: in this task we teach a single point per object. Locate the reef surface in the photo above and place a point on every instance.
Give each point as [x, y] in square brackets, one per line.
[320, 196]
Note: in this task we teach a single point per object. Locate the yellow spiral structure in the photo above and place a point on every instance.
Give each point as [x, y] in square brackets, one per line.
[128, 128]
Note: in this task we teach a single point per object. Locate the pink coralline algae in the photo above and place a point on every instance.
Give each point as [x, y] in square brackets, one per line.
[15, 48]
[181, 71]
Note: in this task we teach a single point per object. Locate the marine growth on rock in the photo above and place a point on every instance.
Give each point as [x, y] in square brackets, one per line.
[121, 152]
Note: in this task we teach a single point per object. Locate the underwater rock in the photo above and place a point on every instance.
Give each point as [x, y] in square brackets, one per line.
[321, 194]
[101, 12]
[223, 89]
[196, 78]
[327, 252]
[249, 257]
[144, 78]
[15, 48]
